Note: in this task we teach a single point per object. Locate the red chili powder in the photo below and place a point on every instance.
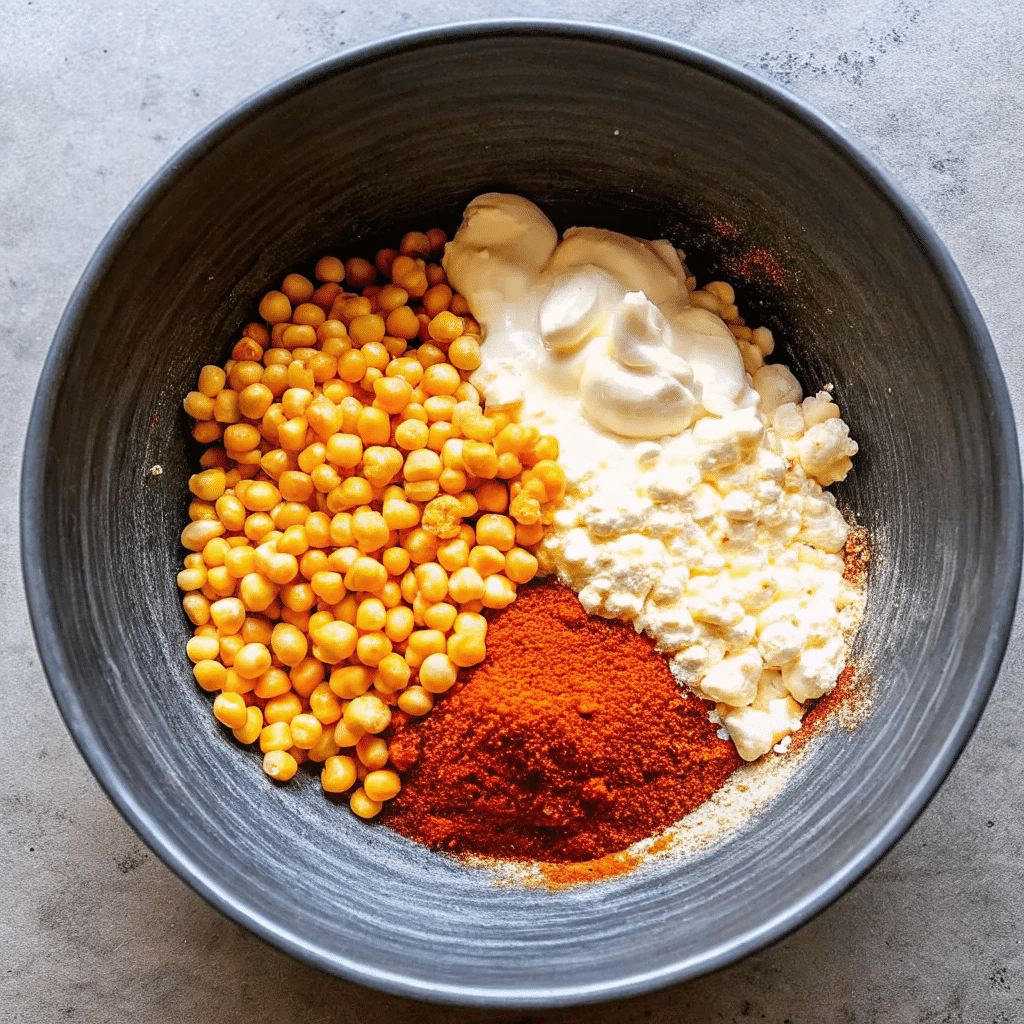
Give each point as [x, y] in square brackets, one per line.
[570, 742]
[758, 264]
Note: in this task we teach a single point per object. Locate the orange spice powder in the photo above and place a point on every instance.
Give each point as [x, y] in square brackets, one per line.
[571, 742]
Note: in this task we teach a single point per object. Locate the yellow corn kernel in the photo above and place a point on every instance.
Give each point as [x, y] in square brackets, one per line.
[280, 765]
[211, 381]
[347, 735]
[228, 615]
[209, 674]
[395, 560]
[464, 353]
[437, 673]
[399, 623]
[335, 641]
[346, 610]
[421, 464]
[209, 484]
[372, 752]
[325, 705]
[328, 586]
[230, 511]
[277, 736]
[351, 681]
[306, 731]
[496, 531]
[366, 574]
[273, 683]
[345, 450]
[307, 676]
[480, 459]
[368, 713]
[199, 406]
[373, 426]
[198, 534]
[552, 476]
[381, 464]
[258, 495]
[520, 566]
[289, 644]
[392, 394]
[360, 804]
[371, 615]
[256, 592]
[192, 579]
[411, 435]
[529, 534]
[372, 648]
[339, 774]
[341, 530]
[350, 493]
[441, 379]
[440, 616]
[454, 554]
[202, 648]
[369, 529]
[393, 673]
[487, 560]
[282, 708]
[431, 582]
[466, 584]
[424, 642]
[253, 726]
[382, 785]
[466, 649]
[499, 591]
[416, 701]
[229, 709]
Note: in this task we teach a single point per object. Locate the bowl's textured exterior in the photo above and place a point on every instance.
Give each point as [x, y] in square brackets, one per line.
[602, 127]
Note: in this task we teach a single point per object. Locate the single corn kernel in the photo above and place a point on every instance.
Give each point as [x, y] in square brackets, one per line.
[466, 649]
[209, 674]
[325, 705]
[280, 765]
[339, 774]
[497, 531]
[229, 709]
[277, 736]
[416, 701]
[335, 641]
[382, 785]
[306, 731]
[282, 708]
[250, 731]
[366, 574]
[359, 802]
[372, 752]
[351, 681]
[438, 673]
[367, 713]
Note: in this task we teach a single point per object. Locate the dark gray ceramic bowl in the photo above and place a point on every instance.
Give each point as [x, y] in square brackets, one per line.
[602, 127]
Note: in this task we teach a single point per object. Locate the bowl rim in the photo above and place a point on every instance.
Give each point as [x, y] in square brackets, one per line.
[58, 663]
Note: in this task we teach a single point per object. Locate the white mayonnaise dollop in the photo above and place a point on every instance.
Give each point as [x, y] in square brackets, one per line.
[694, 505]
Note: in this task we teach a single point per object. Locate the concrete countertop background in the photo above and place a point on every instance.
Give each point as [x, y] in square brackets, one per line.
[94, 97]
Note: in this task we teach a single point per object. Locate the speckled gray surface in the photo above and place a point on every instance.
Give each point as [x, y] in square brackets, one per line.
[94, 99]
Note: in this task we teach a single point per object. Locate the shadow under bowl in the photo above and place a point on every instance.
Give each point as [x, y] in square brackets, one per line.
[600, 127]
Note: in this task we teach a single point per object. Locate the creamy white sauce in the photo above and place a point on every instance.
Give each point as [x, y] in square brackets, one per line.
[694, 505]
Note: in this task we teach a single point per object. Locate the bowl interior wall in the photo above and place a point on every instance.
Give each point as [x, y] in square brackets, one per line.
[596, 134]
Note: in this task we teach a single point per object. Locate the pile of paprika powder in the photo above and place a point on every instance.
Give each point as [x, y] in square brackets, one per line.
[570, 742]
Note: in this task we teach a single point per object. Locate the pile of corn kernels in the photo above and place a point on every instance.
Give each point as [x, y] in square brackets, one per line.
[356, 511]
